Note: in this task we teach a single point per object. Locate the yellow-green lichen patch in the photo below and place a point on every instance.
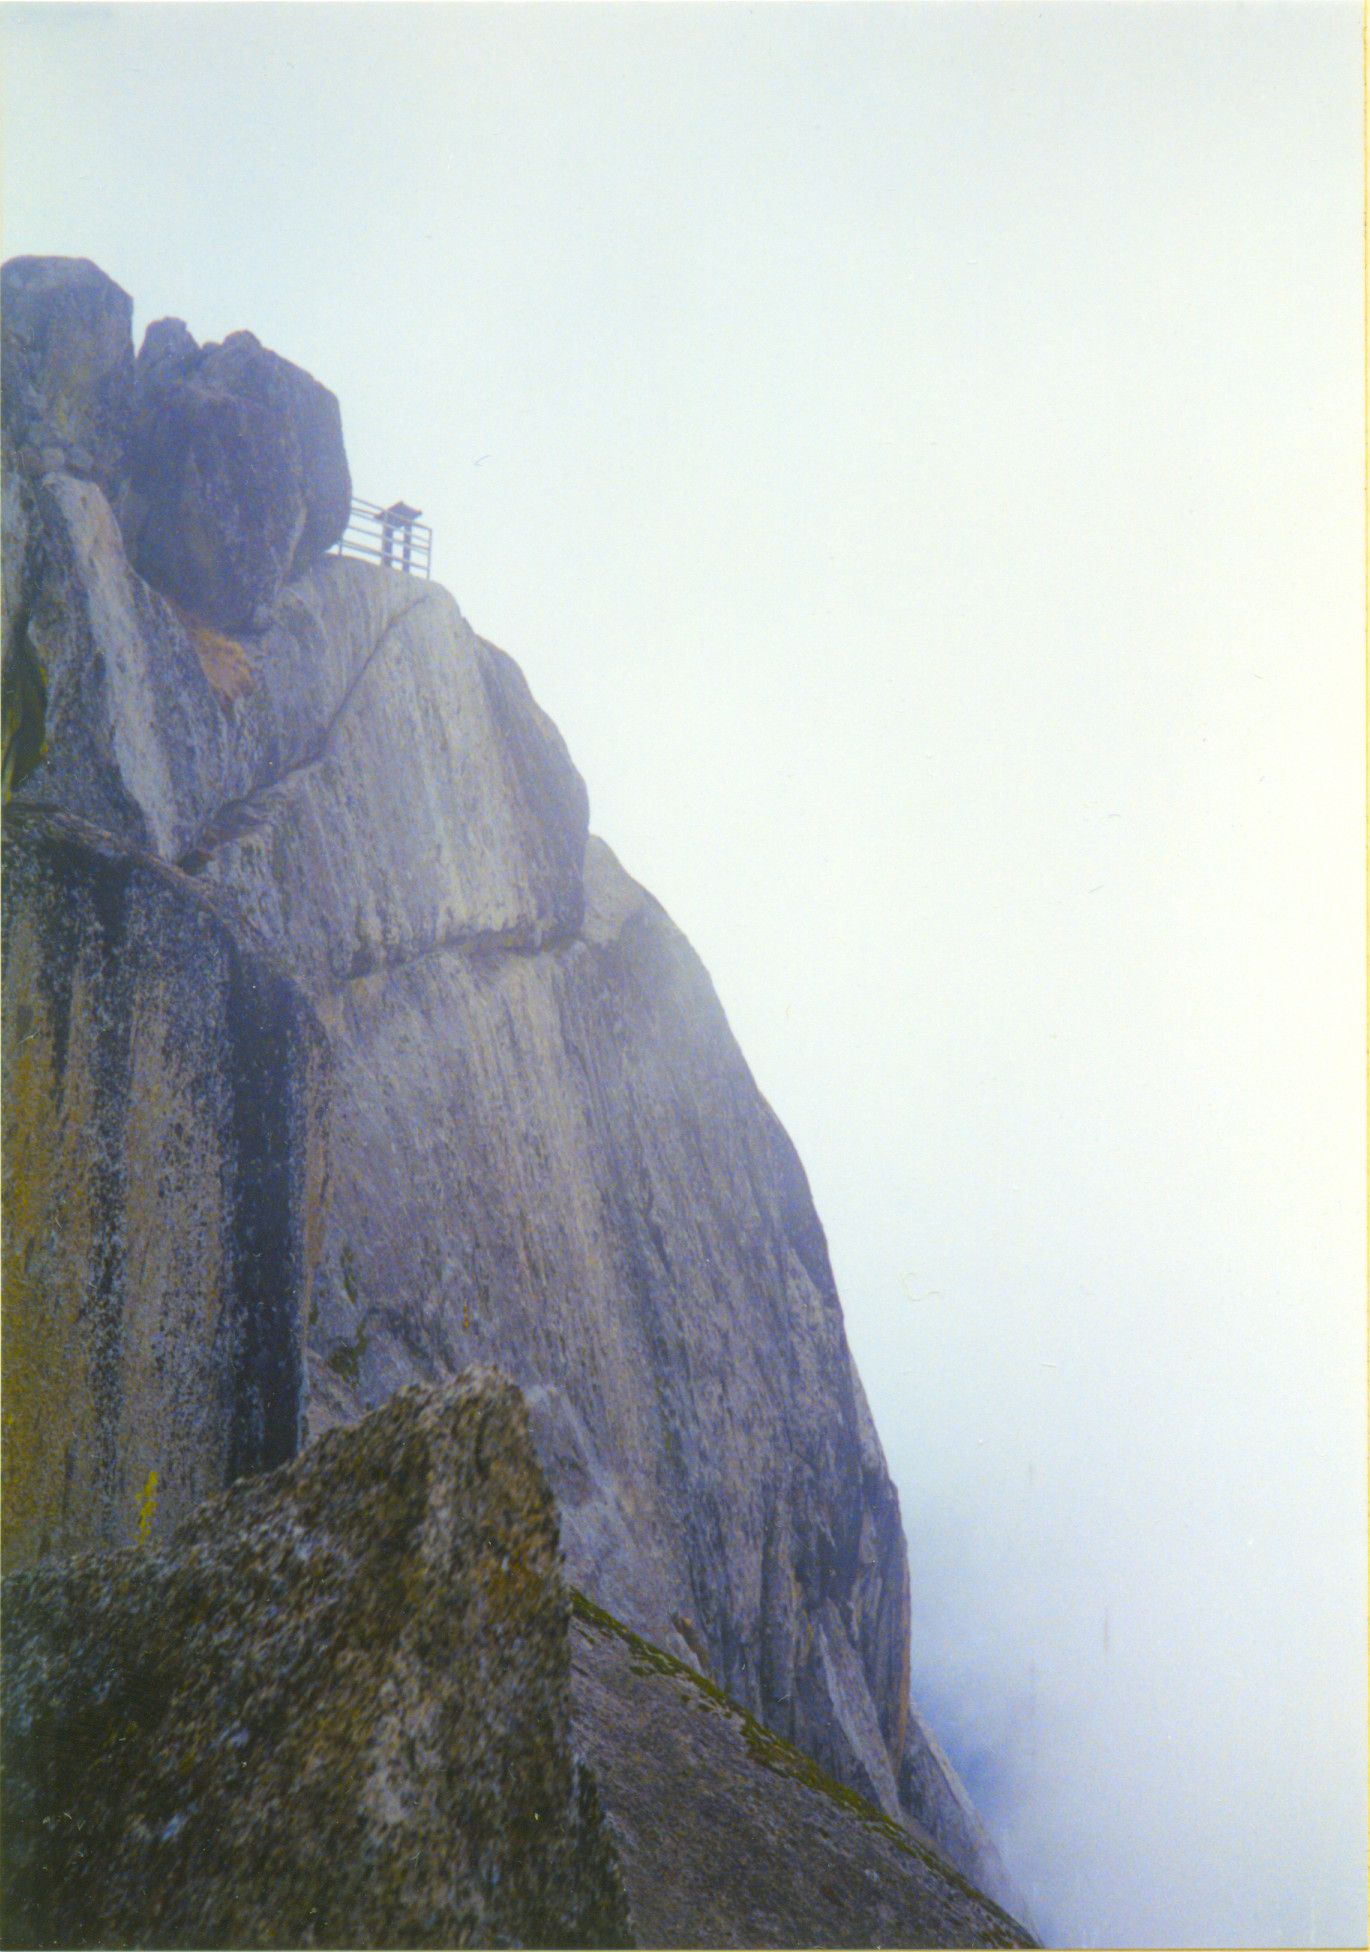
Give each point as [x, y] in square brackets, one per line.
[224, 663]
[345, 1358]
[25, 717]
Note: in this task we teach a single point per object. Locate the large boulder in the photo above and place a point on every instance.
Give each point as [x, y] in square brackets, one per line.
[66, 366]
[238, 477]
[164, 1092]
[271, 762]
[331, 1710]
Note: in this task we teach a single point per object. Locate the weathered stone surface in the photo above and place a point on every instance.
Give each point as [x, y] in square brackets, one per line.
[21, 675]
[16, 529]
[560, 1163]
[729, 1836]
[163, 1165]
[66, 365]
[549, 1151]
[931, 1790]
[238, 476]
[136, 737]
[156, 721]
[558, 1110]
[332, 1710]
[440, 808]
[245, 369]
[168, 351]
[365, 780]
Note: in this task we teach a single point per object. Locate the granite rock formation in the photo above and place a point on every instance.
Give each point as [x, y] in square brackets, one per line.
[729, 1836]
[544, 1149]
[333, 1710]
[163, 1176]
[66, 366]
[238, 477]
[224, 464]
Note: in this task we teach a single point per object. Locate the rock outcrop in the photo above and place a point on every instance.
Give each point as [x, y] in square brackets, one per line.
[639, 1250]
[225, 464]
[66, 367]
[238, 475]
[162, 1169]
[544, 1148]
[729, 1836]
[333, 1711]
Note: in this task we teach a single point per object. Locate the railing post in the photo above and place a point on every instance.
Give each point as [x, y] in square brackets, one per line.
[393, 537]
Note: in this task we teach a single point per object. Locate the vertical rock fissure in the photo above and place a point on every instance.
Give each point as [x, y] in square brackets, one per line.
[112, 1066]
[264, 1424]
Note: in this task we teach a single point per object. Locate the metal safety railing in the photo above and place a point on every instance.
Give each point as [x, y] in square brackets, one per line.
[394, 537]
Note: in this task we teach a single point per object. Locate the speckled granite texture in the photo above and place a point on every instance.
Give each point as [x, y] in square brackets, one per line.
[332, 1711]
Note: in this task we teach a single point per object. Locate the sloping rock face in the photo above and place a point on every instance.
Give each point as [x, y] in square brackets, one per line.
[382, 846]
[729, 1836]
[638, 1247]
[163, 1166]
[545, 1148]
[283, 764]
[332, 1711]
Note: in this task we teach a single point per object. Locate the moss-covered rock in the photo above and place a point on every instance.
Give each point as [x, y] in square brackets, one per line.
[332, 1710]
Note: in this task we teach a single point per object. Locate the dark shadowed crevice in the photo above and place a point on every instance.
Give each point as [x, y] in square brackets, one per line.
[112, 1077]
[268, 1373]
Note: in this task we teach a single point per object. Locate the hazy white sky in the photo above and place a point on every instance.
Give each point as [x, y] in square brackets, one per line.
[915, 453]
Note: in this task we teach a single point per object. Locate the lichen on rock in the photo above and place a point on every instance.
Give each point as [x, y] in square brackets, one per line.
[332, 1710]
[66, 366]
[163, 1168]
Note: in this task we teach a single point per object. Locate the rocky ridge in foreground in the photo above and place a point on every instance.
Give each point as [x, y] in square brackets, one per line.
[340, 1706]
[332, 1710]
[728, 1835]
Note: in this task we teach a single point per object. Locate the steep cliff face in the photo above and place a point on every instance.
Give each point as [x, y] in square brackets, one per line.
[638, 1247]
[163, 1179]
[544, 1149]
